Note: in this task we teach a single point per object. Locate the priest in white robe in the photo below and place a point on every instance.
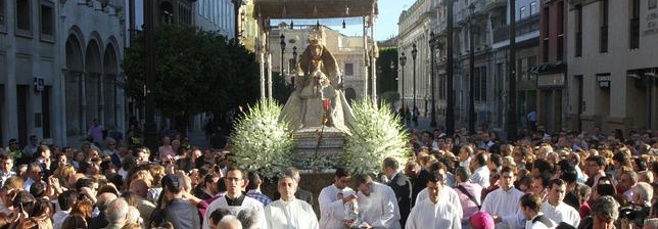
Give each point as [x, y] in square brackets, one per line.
[234, 200]
[335, 201]
[434, 211]
[290, 212]
[554, 207]
[378, 206]
[447, 194]
[503, 203]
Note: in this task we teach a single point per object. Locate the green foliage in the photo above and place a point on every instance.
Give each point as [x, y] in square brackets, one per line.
[386, 80]
[376, 133]
[389, 97]
[196, 71]
[261, 142]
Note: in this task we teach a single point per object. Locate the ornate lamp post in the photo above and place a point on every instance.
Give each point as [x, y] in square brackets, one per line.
[283, 49]
[414, 52]
[403, 61]
[432, 80]
[471, 59]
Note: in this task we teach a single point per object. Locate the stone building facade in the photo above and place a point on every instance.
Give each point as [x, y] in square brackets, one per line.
[612, 64]
[59, 68]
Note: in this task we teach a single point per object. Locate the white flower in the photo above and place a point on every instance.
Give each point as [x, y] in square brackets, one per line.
[261, 142]
[376, 133]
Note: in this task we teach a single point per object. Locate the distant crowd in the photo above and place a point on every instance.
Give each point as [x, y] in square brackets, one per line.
[462, 180]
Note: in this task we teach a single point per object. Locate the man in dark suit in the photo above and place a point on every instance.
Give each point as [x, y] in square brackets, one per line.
[301, 193]
[401, 186]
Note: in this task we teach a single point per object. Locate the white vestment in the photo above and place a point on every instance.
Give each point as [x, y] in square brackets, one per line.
[332, 209]
[446, 194]
[561, 213]
[294, 214]
[247, 203]
[428, 215]
[506, 205]
[481, 176]
[380, 208]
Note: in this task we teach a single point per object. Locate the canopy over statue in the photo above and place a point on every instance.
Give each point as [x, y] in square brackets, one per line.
[318, 98]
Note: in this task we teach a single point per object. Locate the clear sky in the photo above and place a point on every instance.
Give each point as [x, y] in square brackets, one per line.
[387, 22]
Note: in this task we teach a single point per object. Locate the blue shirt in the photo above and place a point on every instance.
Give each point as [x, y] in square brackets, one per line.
[256, 194]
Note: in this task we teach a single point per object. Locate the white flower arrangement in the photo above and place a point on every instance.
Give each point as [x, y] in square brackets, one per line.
[261, 142]
[375, 134]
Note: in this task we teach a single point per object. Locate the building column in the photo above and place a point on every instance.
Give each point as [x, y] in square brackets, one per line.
[83, 103]
[101, 102]
[269, 75]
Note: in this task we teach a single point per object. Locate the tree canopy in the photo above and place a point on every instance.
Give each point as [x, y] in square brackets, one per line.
[196, 71]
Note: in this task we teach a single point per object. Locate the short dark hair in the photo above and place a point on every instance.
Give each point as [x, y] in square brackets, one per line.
[363, 178]
[218, 214]
[391, 162]
[532, 201]
[507, 169]
[606, 189]
[435, 176]
[254, 179]
[569, 175]
[342, 172]
[558, 182]
[496, 159]
[542, 165]
[599, 160]
[221, 184]
[38, 189]
[67, 199]
[84, 182]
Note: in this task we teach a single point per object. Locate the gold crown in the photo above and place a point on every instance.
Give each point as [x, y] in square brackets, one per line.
[316, 36]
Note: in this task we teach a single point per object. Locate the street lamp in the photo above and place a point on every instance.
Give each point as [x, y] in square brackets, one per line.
[294, 66]
[471, 93]
[403, 61]
[283, 49]
[414, 52]
[432, 80]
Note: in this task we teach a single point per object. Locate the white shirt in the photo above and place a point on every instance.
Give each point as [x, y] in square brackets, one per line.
[561, 213]
[59, 217]
[380, 208]
[430, 215]
[538, 225]
[446, 194]
[481, 176]
[506, 205]
[294, 214]
[247, 203]
[332, 209]
[28, 184]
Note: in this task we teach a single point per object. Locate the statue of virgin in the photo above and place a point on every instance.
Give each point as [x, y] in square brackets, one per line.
[318, 99]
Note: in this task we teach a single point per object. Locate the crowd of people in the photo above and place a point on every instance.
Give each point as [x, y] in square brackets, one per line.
[463, 180]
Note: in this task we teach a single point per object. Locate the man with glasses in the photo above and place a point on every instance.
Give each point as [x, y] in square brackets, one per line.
[234, 200]
[333, 199]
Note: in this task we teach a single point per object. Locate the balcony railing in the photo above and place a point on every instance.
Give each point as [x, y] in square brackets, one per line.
[524, 26]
